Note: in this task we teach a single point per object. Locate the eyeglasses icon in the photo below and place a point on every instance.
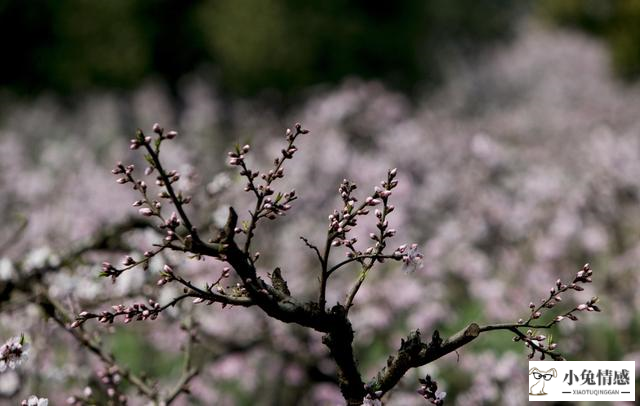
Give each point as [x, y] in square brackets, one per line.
[547, 377]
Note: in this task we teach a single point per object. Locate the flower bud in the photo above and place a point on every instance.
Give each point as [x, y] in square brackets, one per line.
[147, 212]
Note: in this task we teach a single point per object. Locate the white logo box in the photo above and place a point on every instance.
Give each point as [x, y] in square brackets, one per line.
[582, 381]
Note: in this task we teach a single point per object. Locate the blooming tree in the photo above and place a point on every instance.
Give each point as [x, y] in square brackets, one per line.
[519, 170]
[167, 209]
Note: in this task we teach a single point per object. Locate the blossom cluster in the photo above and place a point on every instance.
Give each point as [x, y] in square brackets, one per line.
[35, 401]
[13, 353]
[137, 311]
[429, 391]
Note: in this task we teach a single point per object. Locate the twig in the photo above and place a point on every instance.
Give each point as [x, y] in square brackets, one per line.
[188, 372]
[57, 312]
[154, 154]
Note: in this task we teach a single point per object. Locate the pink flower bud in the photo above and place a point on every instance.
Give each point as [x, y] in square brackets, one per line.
[147, 212]
[172, 134]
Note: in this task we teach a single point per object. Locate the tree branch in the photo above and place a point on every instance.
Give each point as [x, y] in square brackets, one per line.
[414, 353]
[154, 154]
[57, 312]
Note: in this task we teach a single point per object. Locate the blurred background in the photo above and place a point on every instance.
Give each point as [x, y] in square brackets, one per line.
[514, 126]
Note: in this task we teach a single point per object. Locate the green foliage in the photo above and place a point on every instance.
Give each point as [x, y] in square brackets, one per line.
[141, 357]
[79, 45]
[617, 22]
